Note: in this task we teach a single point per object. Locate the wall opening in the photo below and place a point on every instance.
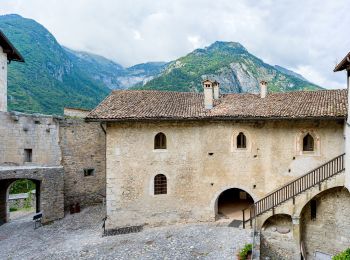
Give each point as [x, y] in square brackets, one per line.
[20, 199]
[231, 202]
[28, 155]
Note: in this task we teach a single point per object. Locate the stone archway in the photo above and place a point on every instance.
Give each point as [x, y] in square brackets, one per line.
[324, 223]
[49, 182]
[30, 202]
[231, 202]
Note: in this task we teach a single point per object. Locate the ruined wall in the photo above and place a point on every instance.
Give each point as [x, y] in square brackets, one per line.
[3, 81]
[83, 148]
[21, 131]
[201, 161]
[329, 232]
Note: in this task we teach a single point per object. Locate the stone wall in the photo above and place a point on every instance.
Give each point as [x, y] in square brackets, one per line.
[50, 190]
[329, 232]
[22, 200]
[75, 112]
[83, 148]
[22, 131]
[3, 81]
[201, 161]
[277, 240]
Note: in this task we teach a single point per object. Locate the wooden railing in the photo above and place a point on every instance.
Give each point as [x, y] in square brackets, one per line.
[294, 188]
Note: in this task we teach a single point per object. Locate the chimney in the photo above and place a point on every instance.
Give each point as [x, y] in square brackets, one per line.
[3, 81]
[208, 94]
[216, 89]
[263, 89]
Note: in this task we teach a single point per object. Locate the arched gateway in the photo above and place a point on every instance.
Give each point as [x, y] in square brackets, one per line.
[230, 203]
[49, 190]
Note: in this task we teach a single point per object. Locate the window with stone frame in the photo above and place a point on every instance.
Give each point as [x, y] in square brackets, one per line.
[160, 184]
[308, 143]
[241, 141]
[160, 141]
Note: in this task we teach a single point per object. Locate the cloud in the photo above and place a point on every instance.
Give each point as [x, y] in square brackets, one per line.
[309, 36]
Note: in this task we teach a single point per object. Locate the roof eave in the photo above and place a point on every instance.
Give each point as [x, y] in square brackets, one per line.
[344, 64]
[212, 118]
[12, 53]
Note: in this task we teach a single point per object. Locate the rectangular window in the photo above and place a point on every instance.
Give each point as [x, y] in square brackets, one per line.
[89, 172]
[27, 155]
[313, 206]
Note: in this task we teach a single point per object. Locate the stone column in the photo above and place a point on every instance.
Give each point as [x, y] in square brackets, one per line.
[296, 235]
[3, 81]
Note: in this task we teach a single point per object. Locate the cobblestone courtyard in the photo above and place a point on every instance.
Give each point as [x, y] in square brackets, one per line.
[79, 236]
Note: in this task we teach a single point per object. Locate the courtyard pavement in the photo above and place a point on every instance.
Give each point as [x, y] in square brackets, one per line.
[79, 236]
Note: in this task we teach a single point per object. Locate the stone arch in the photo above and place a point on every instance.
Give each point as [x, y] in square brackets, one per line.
[50, 190]
[214, 205]
[278, 219]
[299, 142]
[326, 229]
[6, 185]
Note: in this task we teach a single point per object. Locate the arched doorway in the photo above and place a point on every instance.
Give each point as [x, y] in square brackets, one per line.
[23, 199]
[231, 202]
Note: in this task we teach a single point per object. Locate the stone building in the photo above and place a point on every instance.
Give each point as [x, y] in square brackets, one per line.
[189, 157]
[63, 156]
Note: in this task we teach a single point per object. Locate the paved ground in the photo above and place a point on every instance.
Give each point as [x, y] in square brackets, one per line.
[79, 236]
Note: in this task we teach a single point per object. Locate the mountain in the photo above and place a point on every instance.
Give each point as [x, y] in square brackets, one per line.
[230, 64]
[54, 76]
[49, 79]
[112, 74]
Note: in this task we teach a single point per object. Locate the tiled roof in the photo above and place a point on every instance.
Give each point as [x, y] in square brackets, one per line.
[151, 105]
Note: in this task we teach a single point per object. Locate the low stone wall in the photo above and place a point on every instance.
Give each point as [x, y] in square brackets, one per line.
[20, 201]
[49, 185]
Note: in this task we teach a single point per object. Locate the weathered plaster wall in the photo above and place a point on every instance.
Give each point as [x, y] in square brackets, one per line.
[3, 80]
[83, 147]
[195, 178]
[21, 131]
[329, 232]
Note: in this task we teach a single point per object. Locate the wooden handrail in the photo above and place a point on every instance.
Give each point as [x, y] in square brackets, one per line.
[294, 188]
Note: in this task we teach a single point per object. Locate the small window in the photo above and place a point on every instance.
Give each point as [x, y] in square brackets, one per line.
[313, 208]
[27, 155]
[160, 141]
[308, 143]
[160, 184]
[89, 172]
[241, 141]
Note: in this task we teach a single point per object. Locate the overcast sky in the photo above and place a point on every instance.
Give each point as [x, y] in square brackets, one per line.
[307, 36]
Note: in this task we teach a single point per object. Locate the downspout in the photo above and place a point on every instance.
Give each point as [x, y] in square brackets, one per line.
[105, 198]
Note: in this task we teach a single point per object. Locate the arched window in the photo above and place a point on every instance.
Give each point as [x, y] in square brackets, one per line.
[241, 141]
[308, 143]
[160, 184]
[160, 141]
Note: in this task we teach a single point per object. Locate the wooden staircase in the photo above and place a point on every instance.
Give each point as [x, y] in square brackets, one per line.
[293, 189]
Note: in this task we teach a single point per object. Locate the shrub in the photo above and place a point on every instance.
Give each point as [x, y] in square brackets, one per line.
[245, 250]
[345, 255]
[13, 209]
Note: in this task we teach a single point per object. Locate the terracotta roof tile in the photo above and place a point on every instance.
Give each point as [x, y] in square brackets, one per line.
[143, 105]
